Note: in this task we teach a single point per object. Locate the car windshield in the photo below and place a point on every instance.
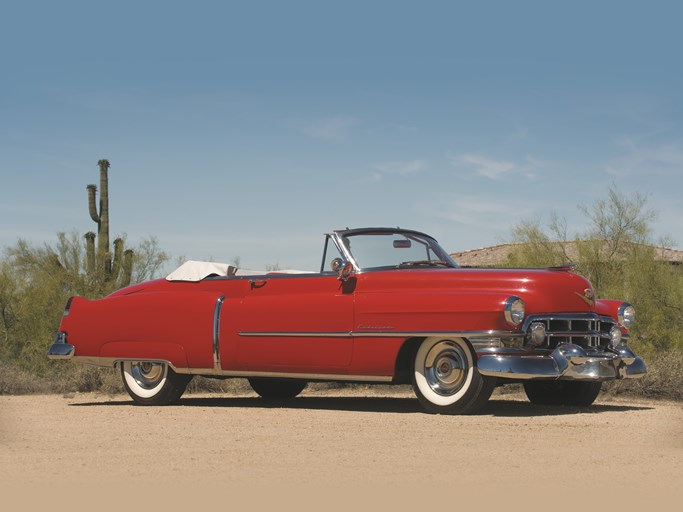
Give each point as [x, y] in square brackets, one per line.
[397, 249]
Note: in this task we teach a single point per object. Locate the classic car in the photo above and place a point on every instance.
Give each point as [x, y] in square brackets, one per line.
[387, 305]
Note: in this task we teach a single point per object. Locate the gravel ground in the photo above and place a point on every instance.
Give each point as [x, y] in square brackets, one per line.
[335, 449]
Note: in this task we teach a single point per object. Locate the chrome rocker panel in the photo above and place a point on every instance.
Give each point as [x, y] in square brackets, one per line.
[566, 362]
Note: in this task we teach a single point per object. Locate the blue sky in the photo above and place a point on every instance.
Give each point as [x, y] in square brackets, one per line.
[250, 128]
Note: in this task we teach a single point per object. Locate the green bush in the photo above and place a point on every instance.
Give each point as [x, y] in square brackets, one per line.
[35, 283]
[617, 254]
[663, 379]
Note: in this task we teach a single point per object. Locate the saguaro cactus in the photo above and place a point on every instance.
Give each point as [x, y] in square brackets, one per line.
[101, 261]
[90, 264]
[101, 218]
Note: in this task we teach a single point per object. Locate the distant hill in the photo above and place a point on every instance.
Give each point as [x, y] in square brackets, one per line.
[497, 255]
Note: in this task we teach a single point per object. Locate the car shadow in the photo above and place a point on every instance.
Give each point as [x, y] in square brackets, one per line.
[520, 409]
[397, 405]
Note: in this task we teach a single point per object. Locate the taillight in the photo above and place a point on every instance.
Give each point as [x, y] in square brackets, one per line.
[68, 306]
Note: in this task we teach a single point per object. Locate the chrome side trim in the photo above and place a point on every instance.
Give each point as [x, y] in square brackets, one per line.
[216, 332]
[111, 361]
[385, 334]
[298, 334]
[304, 376]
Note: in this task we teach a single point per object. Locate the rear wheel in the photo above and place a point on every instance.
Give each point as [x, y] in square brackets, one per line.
[446, 379]
[277, 389]
[562, 392]
[150, 383]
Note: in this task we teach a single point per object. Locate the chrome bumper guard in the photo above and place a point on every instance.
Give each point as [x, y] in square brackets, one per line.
[566, 362]
[60, 349]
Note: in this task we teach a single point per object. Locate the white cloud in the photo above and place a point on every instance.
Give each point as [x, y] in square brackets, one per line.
[643, 159]
[494, 169]
[400, 167]
[477, 211]
[334, 129]
[483, 165]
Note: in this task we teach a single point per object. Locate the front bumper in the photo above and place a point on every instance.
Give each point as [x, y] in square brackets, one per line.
[566, 362]
[60, 349]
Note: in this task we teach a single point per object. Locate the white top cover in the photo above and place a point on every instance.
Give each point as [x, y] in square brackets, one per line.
[198, 270]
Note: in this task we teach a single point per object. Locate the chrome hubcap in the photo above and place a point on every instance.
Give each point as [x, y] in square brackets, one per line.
[446, 367]
[148, 375]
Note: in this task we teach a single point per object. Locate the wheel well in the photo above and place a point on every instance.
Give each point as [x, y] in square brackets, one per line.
[404, 360]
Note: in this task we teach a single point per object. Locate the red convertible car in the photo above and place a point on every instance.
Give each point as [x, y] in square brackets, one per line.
[386, 306]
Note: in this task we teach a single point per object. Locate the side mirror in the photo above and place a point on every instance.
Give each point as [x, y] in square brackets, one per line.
[343, 268]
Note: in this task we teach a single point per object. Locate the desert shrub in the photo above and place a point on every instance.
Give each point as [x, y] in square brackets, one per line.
[35, 283]
[16, 381]
[617, 254]
[200, 384]
[664, 378]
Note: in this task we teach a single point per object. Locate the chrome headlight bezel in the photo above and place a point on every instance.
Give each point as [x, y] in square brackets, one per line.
[626, 315]
[514, 310]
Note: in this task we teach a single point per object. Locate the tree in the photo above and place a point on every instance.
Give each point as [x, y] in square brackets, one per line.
[616, 253]
[35, 283]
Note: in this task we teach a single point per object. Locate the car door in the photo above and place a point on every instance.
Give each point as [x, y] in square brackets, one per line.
[295, 324]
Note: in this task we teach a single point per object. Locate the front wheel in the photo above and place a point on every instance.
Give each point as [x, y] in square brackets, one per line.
[446, 379]
[150, 383]
[562, 392]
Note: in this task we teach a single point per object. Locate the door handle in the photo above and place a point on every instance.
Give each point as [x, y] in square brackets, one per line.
[257, 283]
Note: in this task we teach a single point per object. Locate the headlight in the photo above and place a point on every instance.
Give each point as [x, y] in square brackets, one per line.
[626, 315]
[514, 310]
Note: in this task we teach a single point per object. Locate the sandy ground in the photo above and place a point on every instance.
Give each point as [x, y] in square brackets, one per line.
[338, 445]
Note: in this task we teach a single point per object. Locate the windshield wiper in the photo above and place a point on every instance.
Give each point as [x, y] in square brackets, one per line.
[427, 263]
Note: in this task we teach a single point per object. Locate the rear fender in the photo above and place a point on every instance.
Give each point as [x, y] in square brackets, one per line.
[177, 327]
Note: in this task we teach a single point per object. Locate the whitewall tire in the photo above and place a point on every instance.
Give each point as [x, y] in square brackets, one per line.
[446, 379]
[152, 383]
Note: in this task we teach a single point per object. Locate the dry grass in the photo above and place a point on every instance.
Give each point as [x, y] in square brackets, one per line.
[664, 380]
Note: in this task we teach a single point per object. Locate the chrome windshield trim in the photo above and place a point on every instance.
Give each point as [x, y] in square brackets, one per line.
[339, 235]
[384, 334]
[341, 247]
[216, 332]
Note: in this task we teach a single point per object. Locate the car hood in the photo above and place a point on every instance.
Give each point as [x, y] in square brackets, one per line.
[543, 290]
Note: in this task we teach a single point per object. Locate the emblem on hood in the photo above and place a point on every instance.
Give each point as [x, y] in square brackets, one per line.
[587, 296]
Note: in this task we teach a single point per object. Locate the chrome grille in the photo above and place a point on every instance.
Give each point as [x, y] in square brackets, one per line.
[586, 330]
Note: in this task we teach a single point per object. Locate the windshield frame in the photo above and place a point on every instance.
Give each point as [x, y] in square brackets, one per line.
[339, 236]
